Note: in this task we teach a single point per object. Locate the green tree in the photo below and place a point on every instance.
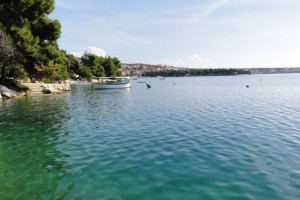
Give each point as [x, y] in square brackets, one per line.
[112, 66]
[34, 36]
[73, 64]
[87, 73]
[7, 53]
[94, 63]
[118, 66]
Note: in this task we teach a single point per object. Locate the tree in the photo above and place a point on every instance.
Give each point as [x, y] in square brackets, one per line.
[34, 36]
[112, 66]
[91, 65]
[94, 63]
[87, 73]
[196, 72]
[73, 64]
[118, 66]
[7, 52]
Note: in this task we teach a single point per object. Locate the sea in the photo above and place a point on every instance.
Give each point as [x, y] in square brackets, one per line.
[185, 138]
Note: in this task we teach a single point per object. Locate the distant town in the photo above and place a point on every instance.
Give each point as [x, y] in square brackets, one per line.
[139, 69]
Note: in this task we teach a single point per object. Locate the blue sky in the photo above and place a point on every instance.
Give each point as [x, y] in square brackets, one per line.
[190, 33]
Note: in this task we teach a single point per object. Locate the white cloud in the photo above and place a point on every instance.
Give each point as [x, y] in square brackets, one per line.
[77, 54]
[211, 7]
[194, 14]
[63, 4]
[193, 61]
[92, 50]
[97, 51]
[232, 33]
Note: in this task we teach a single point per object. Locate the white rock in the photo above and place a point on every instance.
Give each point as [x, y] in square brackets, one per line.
[6, 94]
[13, 95]
[49, 88]
[5, 89]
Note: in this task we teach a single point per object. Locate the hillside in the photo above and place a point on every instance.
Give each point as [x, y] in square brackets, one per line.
[139, 69]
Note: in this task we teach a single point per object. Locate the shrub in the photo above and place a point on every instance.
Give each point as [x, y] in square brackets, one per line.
[15, 85]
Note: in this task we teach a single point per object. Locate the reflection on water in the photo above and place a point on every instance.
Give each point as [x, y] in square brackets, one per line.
[184, 138]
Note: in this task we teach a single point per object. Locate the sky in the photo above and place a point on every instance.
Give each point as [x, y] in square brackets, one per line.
[189, 33]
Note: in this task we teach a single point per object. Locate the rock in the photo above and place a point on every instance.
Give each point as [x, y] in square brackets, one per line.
[6, 95]
[47, 91]
[9, 95]
[13, 95]
[5, 89]
[51, 88]
[63, 87]
[58, 87]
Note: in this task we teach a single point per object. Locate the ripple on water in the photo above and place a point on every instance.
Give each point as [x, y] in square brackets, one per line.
[202, 138]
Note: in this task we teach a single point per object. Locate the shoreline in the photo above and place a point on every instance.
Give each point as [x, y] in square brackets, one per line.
[35, 89]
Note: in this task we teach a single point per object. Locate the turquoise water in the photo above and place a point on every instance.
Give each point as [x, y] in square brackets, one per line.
[185, 138]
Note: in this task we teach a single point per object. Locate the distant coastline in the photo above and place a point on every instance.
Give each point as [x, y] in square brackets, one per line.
[140, 69]
[282, 70]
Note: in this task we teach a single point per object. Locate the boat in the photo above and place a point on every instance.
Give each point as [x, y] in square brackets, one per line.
[112, 83]
[160, 77]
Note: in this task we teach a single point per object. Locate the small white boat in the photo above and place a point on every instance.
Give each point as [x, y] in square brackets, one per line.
[112, 83]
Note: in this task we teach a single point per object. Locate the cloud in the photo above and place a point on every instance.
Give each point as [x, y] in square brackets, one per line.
[77, 54]
[63, 4]
[92, 50]
[211, 7]
[97, 51]
[194, 14]
[193, 61]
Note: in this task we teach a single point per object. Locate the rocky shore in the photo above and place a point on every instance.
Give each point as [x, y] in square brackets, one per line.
[56, 88]
[34, 89]
[6, 93]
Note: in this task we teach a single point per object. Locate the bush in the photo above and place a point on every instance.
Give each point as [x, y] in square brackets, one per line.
[87, 73]
[47, 80]
[15, 85]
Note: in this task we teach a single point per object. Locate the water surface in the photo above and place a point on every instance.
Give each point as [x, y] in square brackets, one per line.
[184, 138]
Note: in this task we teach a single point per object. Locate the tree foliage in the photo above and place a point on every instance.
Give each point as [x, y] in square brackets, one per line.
[28, 45]
[7, 52]
[91, 65]
[196, 72]
[33, 36]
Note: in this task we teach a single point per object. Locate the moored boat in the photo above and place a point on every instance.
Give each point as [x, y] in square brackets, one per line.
[112, 83]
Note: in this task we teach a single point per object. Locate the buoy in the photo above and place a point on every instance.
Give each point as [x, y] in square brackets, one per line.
[247, 86]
